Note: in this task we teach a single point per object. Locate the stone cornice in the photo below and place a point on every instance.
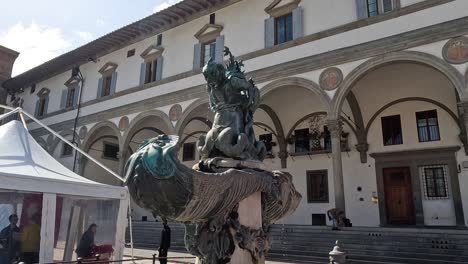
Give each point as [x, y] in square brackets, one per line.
[274, 11]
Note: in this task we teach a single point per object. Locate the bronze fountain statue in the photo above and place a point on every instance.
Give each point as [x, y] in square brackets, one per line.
[206, 198]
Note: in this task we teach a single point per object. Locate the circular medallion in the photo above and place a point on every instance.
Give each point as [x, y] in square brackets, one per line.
[175, 112]
[50, 139]
[455, 51]
[331, 78]
[83, 131]
[123, 123]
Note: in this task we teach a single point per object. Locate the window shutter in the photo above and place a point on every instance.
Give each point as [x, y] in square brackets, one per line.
[197, 56]
[63, 100]
[269, 32]
[113, 83]
[219, 49]
[297, 23]
[36, 111]
[46, 105]
[361, 8]
[76, 95]
[142, 73]
[99, 90]
[159, 68]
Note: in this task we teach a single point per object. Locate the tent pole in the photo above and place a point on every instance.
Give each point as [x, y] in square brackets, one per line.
[130, 224]
[75, 147]
[23, 120]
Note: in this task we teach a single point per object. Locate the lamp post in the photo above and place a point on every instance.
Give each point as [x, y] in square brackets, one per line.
[76, 73]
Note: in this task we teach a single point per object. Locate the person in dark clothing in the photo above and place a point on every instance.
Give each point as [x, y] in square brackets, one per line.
[86, 245]
[9, 241]
[165, 243]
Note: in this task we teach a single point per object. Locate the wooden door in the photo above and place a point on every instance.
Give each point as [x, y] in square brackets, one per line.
[398, 196]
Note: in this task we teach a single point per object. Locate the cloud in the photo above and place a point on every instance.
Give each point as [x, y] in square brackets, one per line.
[100, 22]
[36, 44]
[84, 35]
[165, 5]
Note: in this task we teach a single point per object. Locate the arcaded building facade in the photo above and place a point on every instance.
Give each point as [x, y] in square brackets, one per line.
[364, 102]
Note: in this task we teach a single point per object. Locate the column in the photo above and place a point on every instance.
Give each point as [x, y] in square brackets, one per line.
[46, 253]
[335, 127]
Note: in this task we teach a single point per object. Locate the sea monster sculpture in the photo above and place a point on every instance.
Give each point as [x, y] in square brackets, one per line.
[206, 198]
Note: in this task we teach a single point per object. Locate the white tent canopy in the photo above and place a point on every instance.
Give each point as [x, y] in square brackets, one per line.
[26, 167]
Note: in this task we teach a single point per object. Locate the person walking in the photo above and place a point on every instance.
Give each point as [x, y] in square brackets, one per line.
[165, 243]
[9, 241]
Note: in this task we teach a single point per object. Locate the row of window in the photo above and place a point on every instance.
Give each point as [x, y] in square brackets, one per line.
[426, 123]
[433, 177]
[279, 28]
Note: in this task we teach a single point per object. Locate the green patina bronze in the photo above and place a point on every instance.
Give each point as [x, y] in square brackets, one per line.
[206, 200]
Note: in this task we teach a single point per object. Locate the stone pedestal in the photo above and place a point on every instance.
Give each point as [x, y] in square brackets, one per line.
[250, 215]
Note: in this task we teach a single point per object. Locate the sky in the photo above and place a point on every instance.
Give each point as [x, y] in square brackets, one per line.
[42, 30]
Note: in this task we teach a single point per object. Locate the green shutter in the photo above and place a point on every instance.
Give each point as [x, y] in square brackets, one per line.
[159, 67]
[297, 23]
[99, 90]
[361, 9]
[76, 95]
[142, 73]
[63, 100]
[269, 32]
[197, 56]
[113, 83]
[219, 49]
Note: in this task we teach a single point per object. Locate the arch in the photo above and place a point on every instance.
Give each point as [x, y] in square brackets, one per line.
[64, 133]
[129, 133]
[283, 148]
[454, 76]
[88, 141]
[184, 119]
[316, 114]
[300, 82]
[187, 136]
[408, 99]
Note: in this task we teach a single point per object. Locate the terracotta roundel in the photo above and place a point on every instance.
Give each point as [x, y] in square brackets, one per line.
[331, 78]
[82, 132]
[455, 51]
[175, 112]
[123, 123]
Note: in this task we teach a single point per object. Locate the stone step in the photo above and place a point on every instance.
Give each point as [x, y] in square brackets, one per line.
[307, 244]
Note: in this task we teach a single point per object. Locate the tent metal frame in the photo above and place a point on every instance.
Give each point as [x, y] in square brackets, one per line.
[22, 115]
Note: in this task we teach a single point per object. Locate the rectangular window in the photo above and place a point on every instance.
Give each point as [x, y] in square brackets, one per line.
[267, 139]
[301, 140]
[111, 151]
[151, 69]
[372, 8]
[106, 86]
[42, 104]
[378, 7]
[159, 40]
[67, 150]
[327, 144]
[188, 152]
[391, 130]
[387, 6]
[428, 126]
[70, 97]
[283, 29]
[208, 51]
[212, 18]
[317, 186]
[130, 53]
[435, 182]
